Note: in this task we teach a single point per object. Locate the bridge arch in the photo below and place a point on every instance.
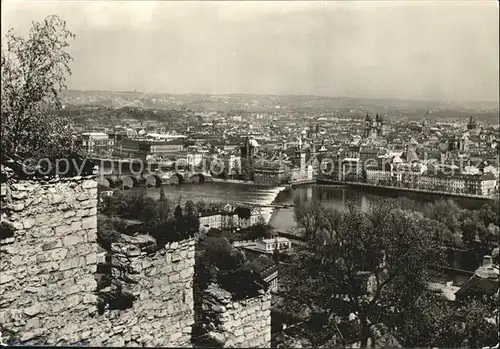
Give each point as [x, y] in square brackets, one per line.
[197, 178]
[153, 181]
[176, 178]
[129, 181]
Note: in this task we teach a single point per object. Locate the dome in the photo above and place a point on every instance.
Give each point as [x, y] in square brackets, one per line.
[304, 132]
[253, 143]
[141, 133]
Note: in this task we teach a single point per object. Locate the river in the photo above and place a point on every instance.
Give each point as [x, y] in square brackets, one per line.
[283, 219]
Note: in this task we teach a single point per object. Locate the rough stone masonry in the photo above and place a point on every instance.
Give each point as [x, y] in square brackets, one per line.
[48, 288]
[242, 324]
[48, 266]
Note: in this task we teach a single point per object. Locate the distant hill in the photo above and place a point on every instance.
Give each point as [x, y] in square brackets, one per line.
[260, 102]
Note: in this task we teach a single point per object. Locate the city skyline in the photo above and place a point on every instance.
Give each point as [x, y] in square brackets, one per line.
[408, 50]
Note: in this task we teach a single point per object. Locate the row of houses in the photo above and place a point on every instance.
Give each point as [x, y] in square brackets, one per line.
[231, 216]
[433, 177]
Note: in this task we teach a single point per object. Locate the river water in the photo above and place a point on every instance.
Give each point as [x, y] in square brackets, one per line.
[283, 218]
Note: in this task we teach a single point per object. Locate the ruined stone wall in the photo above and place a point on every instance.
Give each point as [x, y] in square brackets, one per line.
[48, 288]
[47, 267]
[162, 281]
[237, 324]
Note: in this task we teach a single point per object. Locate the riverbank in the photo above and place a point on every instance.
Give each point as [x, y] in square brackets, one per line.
[232, 181]
[401, 189]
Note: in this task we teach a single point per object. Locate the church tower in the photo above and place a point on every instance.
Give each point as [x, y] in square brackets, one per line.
[368, 125]
[247, 154]
[380, 125]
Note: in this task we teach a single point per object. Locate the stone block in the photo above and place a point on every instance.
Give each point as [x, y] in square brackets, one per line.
[187, 273]
[176, 256]
[82, 196]
[69, 214]
[89, 222]
[267, 336]
[19, 206]
[42, 219]
[82, 212]
[17, 225]
[175, 336]
[16, 194]
[33, 323]
[63, 229]
[58, 254]
[73, 289]
[73, 300]
[52, 245]
[29, 335]
[89, 184]
[91, 258]
[89, 203]
[76, 226]
[92, 235]
[33, 310]
[71, 240]
[48, 267]
[70, 263]
[28, 223]
[173, 278]
[55, 199]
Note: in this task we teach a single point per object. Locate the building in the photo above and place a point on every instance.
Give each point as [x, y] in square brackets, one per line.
[472, 124]
[145, 148]
[211, 219]
[247, 158]
[279, 243]
[265, 270]
[485, 280]
[96, 142]
[374, 127]
[476, 184]
[267, 172]
[378, 172]
[230, 217]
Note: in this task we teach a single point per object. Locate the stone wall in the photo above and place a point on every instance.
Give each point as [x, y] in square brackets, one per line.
[48, 287]
[47, 267]
[242, 323]
[162, 281]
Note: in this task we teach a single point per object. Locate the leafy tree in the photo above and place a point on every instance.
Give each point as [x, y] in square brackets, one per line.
[107, 232]
[180, 226]
[163, 197]
[256, 231]
[149, 212]
[34, 73]
[489, 236]
[378, 260]
[200, 206]
[435, 323]
[191, 219]
[309, 217]
[471, 228]
[164, 210]
[488, 215]
[218, 255]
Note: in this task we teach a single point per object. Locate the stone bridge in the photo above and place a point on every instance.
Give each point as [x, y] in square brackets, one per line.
[129, 173]
[153, 179]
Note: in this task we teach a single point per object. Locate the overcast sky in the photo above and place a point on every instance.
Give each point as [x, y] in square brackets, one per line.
[446, 50]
